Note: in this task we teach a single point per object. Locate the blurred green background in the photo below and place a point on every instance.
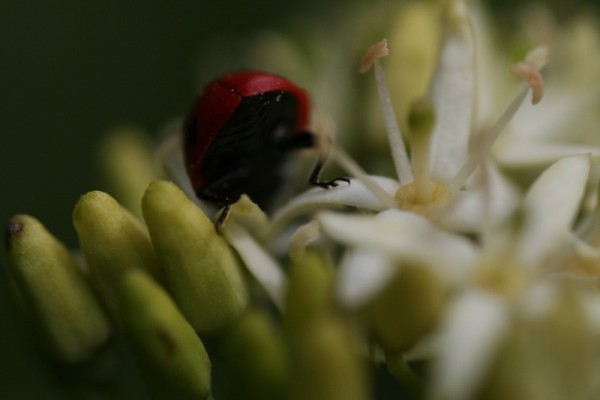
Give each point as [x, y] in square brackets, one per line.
[70, 71]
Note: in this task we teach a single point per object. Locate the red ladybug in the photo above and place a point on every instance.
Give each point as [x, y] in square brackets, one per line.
[240, 131]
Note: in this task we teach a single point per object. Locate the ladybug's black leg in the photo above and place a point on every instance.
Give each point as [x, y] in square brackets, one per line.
[220, 222]
[316, 172]
[306, 140]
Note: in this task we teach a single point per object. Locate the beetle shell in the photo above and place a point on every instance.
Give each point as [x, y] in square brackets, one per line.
[238, 135]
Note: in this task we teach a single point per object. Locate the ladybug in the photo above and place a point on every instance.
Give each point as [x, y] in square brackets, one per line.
[238, 134]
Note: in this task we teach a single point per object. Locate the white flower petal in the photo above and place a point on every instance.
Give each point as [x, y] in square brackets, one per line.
[550, 208]
[539, 300]
[472, 211]
[490, 67]
[171, 154]
[452, 95]
[362, 273]
[470, 338]
[466, 212]
[555, 117]
[518, 154]
[405, 237]
[356, 194]
[260, 263]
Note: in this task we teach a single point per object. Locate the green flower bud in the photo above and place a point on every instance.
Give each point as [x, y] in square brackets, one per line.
[408, 307]
[113, 242]
[129, 165]
[52, 288]
[309, 292]
[255, 359]
[551, 356]
[327, 364]
[324, 357]
[170, 355]
[201, 269]
[415, 58]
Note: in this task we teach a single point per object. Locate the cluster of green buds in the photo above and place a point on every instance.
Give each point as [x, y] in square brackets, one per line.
[174, 291]
[471, 274]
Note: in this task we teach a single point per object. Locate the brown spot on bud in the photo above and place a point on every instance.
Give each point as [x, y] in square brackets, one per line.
[14, 229]
[167, 342]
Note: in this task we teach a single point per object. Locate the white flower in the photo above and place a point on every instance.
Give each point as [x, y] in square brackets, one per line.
[506, 278]
[430, 184]
[441, 162]
[512, 271]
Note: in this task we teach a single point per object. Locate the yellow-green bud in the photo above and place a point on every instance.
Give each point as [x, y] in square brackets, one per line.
[327, 363]
[324, 357]
[53, 288]
[309, 292]
[129, 165]
[414, 45]
[113, 242]
[170, 355]
[407, 308]
[255, 358]
[201, 269]
[547, 356]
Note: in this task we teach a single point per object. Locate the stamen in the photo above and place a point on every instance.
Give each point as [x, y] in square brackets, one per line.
[530, 75]
[374, 53]
[397, 146]
[485, 184]
[353, 169]
[528, 70]
[488, 140]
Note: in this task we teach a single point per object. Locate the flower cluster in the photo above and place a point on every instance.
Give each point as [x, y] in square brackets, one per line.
[470, 274]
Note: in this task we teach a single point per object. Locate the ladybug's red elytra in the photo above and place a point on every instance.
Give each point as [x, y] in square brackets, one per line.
[240, 131]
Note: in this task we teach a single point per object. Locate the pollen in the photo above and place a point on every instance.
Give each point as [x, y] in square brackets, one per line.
[407, 199]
